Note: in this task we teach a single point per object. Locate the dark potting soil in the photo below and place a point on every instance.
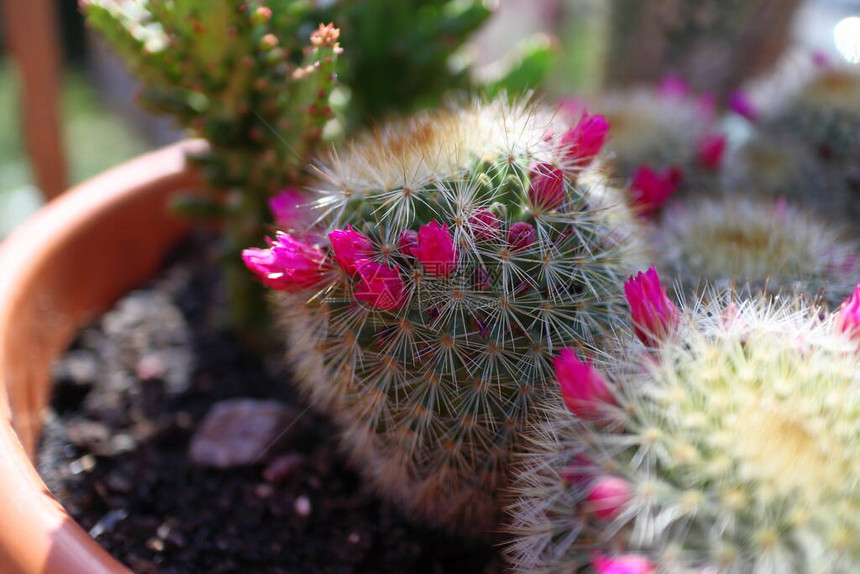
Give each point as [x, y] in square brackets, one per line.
[129, 395]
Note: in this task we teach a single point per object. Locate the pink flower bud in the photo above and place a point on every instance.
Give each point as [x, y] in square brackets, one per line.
[674, 87]
[521, 235]
[607, 497]
[583, 388]
[624, 564]
[654, 316]
[436, 250]
[584, 141]
[709, 151]
[848, 320]
[288, 264]
[379, 286]
[741, 104]
[485, 225]
[407, 242]
[288, 209]
[546, 190]
[350, 246]
[652, 189]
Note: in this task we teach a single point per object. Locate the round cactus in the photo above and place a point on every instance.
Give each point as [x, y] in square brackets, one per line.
[807, 145]
[455, 252]
[768, 244]
[825, 114]
[665, 133]
[724, 439]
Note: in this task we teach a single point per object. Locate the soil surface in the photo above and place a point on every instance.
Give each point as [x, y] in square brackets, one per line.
[129, 396]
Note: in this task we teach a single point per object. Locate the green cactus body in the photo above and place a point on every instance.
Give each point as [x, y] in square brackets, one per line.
[738, 437]
[767, 244]
[432, 396]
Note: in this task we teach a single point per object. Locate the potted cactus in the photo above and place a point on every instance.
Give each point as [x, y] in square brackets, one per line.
[450, 256]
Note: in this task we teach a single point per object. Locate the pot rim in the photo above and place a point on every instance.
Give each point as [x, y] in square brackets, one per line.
[62, 266]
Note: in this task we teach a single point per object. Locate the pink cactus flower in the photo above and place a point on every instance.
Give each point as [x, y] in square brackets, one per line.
[710, 151]
[583, 388]
[652, 189]
[848, 320]
[485, 225]
[436, 250]
[740, 103]
[379, 286]
[288, 209]
[521, 235]
[654, 316]
[350, 246]
[608, 496]
[288, 264]
[674, 86]
[407, 242]
[624, 564]
[546, 190]
[584, 141]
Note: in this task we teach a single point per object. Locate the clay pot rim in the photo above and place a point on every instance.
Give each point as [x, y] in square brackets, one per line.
[36, 533]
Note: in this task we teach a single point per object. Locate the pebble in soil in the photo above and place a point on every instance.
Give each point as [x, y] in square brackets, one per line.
[129, 397]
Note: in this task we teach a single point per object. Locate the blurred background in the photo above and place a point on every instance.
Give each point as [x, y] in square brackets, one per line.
[67, 106]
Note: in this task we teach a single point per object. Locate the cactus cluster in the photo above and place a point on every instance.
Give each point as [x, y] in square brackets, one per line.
[450, 256]
[662, 139]
[719, 438]
[764, 243]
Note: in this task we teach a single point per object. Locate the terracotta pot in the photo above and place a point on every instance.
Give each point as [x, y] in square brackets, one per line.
[62, 267]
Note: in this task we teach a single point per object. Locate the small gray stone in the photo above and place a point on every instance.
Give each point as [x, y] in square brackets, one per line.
[240, 432]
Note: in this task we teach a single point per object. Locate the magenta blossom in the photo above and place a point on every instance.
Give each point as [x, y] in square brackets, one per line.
[288, 209]
[521, 235]
[584, 141]
[485, 224]
[407, 242]
[379, 286]
[740, 103]
[350, 246]
[710, 151]
[583, 388]
[652, 189]
[436, 250]
[654, 316]
[546, 187]
[848, 320]
[607, 497]
[624, 564]
[288, 264]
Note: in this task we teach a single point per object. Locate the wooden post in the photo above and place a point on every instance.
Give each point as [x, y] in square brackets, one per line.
[33, 34]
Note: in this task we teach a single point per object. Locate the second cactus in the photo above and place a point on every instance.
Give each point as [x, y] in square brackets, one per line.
[453, 255]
